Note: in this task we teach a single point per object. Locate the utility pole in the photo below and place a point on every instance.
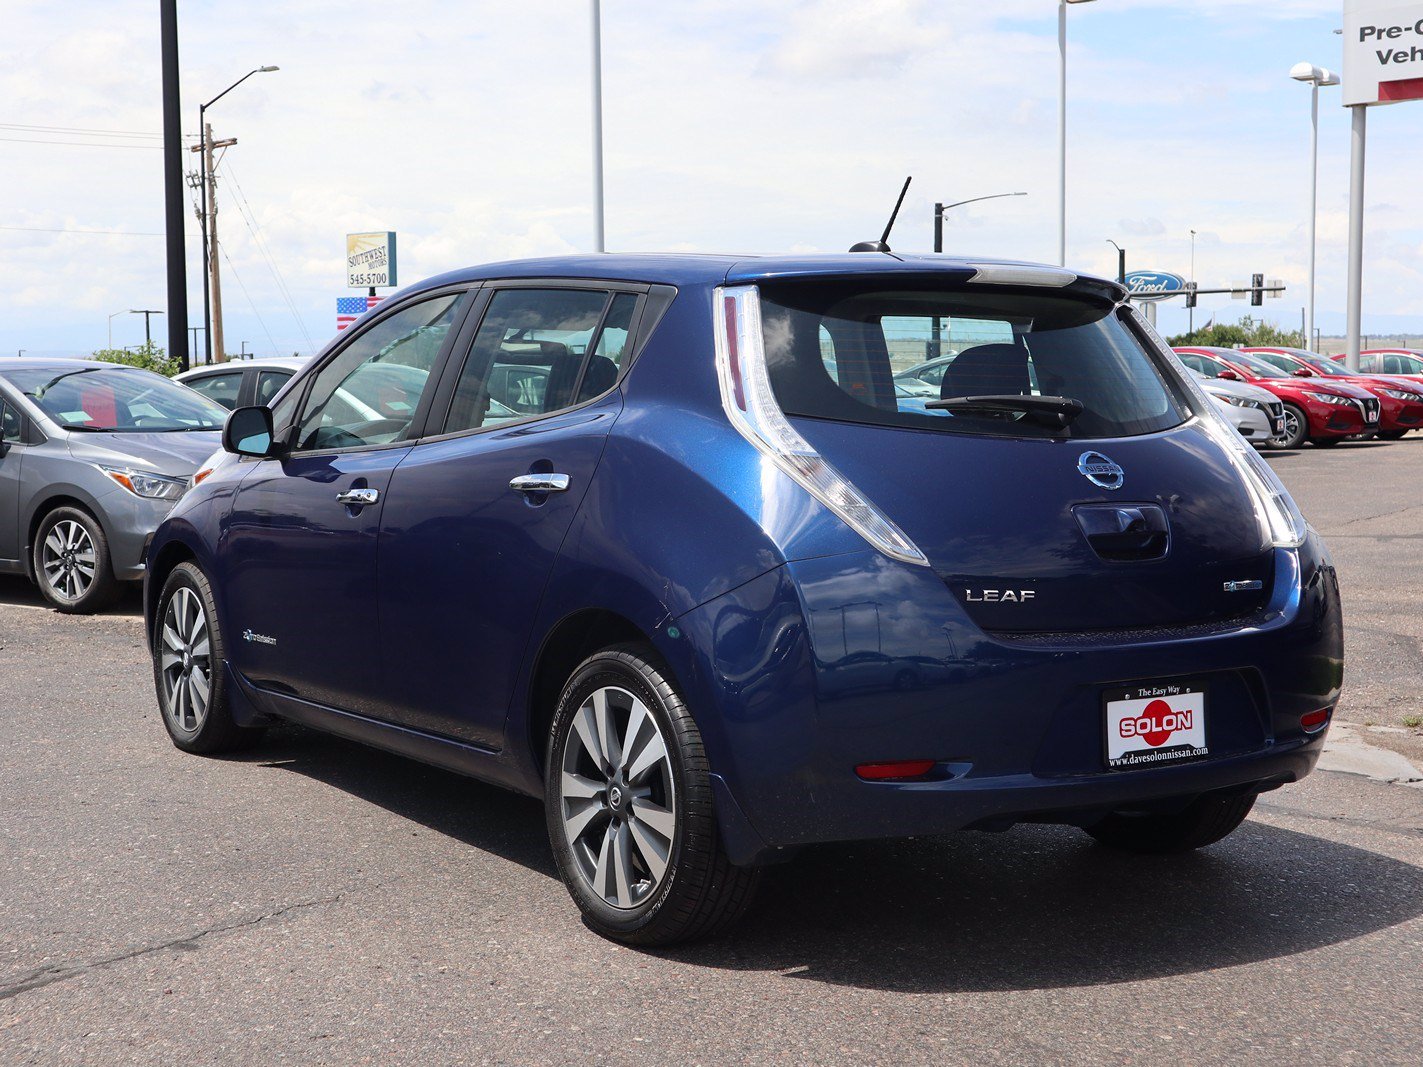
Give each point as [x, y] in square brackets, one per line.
[214, 274]
[194, 331]
[173, 182]
[147, 317]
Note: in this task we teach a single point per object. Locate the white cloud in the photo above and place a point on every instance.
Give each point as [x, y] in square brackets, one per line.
[736, 126]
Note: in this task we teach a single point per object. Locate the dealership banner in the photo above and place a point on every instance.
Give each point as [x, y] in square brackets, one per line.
[370, 260]
[1383, 51]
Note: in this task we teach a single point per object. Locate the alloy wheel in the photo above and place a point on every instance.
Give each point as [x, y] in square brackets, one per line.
[185, 661]
[69, 559]
[1291, 433]
[617, 799]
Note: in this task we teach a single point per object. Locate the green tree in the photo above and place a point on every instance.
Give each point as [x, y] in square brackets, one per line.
[1247, 332]
[148, 356]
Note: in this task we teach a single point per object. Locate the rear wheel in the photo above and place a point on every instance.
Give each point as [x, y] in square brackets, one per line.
[71, 562]
[1296, 428]
[629, 806]
[188, 657]
[1204, 822]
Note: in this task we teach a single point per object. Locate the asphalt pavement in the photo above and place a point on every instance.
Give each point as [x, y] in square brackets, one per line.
[317, 902]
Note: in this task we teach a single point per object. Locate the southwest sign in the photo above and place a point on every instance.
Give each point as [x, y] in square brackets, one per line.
[370, 259]
[1383, 51]
[1154, 284]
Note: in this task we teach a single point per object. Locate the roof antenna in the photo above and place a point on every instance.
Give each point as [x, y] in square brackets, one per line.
[882, 245]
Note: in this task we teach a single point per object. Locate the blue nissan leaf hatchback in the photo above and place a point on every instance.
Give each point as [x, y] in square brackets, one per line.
[657, 539]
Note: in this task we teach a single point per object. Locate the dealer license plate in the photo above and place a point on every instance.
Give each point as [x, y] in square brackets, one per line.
[1153, 723]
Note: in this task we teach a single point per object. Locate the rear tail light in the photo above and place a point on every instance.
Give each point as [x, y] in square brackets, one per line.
[1315, 720]
[898, 771]
[751, 405]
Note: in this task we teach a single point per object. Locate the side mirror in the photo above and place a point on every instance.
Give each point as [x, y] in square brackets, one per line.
[248, 432]
[1304, 372]
[1229, 375]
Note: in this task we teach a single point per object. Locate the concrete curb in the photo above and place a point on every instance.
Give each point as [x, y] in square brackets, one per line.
[1345, 751]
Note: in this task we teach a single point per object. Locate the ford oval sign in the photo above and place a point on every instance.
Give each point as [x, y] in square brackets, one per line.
[1154, 284]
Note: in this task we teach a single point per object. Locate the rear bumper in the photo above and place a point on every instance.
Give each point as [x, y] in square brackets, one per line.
[1017, 727]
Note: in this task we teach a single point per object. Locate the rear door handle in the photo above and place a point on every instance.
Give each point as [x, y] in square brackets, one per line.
[539, 483]
[358, 498]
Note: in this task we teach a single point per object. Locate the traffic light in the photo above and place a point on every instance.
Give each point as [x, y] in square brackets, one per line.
[1257, 282]
[1190, 294]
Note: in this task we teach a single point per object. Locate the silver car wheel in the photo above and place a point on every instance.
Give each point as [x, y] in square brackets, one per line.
[69, 559]
[185, 661]
[1291, 431]
[618, 802]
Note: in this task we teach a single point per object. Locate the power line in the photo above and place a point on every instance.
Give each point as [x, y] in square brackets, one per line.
[81, 144]
[81, 129]
[262, 322]
[249, 217]
[105, 233]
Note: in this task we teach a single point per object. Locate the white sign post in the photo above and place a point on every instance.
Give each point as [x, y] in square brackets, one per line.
[1383, 64]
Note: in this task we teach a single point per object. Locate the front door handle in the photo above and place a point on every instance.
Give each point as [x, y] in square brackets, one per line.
[358, 498]
[539, 483]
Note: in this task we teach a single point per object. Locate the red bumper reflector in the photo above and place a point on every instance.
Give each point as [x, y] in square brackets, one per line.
[1315, 720]
[900, 769]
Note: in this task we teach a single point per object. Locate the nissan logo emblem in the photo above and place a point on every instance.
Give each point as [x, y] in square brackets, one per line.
[1100, 471]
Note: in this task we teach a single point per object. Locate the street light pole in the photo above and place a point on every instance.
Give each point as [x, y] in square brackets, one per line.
[205, 148]
[147, 317]
[937, 327]
[1062, 129]
[598, 233]
[1316, 77]
[1121, 261]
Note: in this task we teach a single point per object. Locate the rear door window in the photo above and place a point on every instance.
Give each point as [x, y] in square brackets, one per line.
[269, 384]
[223, 388]
[538, 351]
[987, 348]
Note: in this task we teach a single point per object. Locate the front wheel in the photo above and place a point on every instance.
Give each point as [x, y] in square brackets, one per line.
[1326, 442]
[1296, 428]
[1203, 822]
[1391, 435]
[71, 562]
[188, 657]
[629, 806]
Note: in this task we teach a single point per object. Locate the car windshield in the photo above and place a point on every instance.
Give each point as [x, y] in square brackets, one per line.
[834, 350]
[1261, 368]
[109, 399]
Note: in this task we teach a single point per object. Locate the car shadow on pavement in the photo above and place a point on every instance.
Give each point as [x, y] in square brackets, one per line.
[1036, 907]
[1044, 907]
[476, 813]
[21, 592]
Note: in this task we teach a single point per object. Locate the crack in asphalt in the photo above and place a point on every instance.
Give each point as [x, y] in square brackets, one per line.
[1382, 515]
[49, 975]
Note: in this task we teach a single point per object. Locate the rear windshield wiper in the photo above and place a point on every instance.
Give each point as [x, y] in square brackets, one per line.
[1054, 412]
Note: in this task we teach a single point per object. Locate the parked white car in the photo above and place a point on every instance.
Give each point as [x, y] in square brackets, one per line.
[1256, 413]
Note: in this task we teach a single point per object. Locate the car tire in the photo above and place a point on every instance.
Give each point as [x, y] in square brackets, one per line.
[1326, 442]
[1296, 428]
[1203, 822]
[189, 655]
[635, 837]
[71, 562]
[1391, 435]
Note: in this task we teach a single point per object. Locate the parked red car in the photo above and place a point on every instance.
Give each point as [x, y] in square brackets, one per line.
[1400, 398]
[1399, 362]
[1323, 413]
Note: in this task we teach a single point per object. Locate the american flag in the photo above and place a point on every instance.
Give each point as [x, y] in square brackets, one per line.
[349, 308]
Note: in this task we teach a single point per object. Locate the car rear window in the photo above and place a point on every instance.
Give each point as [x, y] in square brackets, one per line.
[844, 351]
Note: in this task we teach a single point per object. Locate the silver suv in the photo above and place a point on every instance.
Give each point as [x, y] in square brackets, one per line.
[92, 457]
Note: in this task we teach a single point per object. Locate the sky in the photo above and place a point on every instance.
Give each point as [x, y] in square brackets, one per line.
[748, 126]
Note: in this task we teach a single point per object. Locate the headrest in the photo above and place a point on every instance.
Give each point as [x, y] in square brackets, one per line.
[987, 370]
